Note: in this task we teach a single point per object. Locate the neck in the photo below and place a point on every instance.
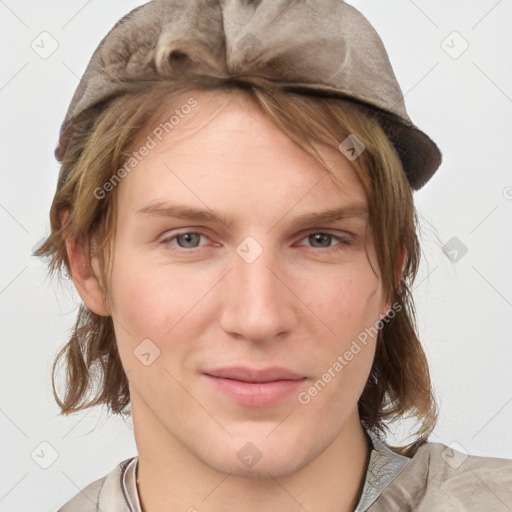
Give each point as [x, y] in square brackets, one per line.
[171, 478]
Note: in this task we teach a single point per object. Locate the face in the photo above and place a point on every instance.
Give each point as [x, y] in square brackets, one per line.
[222, 264]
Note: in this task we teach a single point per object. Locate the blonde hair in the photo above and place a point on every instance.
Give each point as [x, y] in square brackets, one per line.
[399, 383]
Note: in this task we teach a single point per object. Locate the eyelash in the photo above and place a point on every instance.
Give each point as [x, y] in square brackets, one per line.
[343, 241]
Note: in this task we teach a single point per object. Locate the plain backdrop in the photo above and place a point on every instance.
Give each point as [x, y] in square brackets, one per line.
[452, 60]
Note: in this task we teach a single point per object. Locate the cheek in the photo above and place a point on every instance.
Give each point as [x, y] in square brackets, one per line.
[349, 303]
[348, 300]
[343, 364]
[152, 304]
[162, 303]
[151, 299]
[136, 299]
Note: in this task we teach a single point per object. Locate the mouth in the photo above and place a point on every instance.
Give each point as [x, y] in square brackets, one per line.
[255, 388]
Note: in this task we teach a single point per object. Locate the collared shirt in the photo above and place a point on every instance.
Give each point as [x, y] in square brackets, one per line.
[436, 479]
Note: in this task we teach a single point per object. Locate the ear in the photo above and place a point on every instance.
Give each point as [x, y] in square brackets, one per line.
[399, 268]
[400, 264]
[83, 277]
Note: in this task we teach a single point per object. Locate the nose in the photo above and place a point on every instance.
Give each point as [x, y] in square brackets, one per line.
[259, 302]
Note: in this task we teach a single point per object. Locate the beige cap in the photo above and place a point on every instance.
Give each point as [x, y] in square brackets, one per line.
[316, 47]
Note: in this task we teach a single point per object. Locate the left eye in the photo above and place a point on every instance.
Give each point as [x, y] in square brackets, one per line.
[188, 240]
[324, 240]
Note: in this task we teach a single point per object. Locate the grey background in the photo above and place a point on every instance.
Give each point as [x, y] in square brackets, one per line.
[462, 99]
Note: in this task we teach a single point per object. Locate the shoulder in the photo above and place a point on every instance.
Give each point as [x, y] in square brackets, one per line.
[441, 478]
[105, 490]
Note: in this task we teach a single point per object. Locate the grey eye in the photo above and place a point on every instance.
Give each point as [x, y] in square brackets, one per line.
[325, 239]
[190, 240]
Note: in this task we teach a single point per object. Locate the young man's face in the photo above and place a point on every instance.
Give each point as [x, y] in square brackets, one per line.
[267, 290]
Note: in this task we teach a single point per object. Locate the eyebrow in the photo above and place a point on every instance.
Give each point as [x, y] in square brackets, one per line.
[355, 210]
[178, 211]
[162, 209]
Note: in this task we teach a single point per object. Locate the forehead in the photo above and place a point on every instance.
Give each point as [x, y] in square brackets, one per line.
[227, 150]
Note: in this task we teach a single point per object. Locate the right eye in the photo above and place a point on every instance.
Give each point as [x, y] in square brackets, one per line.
[185, 240]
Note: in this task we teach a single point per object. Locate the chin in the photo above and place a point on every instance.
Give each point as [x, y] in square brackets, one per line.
[261, 470]
[259, 459]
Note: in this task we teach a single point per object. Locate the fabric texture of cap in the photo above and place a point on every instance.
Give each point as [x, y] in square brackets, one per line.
[317, 47]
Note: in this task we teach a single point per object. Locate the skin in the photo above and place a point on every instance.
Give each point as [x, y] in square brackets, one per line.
[299, 305]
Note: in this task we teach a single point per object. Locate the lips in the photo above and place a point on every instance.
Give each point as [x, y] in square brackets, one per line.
[244, 374]
[255, 388]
